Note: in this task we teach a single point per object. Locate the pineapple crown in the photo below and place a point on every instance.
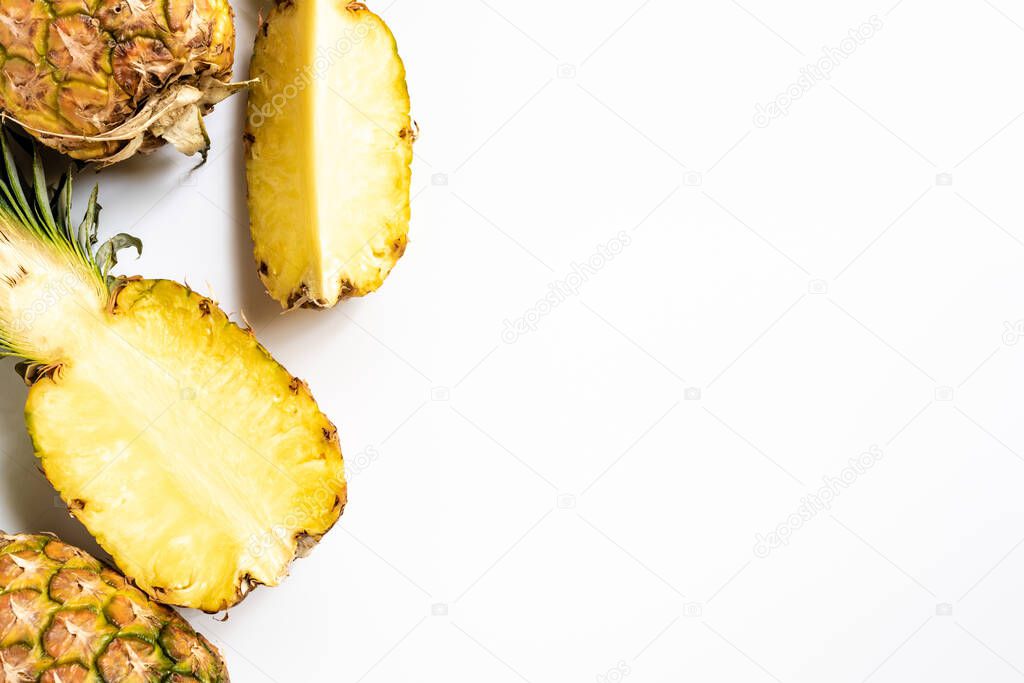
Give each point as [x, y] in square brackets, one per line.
[36, 212]
[45, 213]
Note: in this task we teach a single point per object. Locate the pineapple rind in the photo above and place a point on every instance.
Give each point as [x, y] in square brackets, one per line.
[329, 152]
[73, 588]
[198, 462]
[72, 72]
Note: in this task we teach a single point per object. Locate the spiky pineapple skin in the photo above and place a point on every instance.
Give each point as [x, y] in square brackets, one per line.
[84, 67]
[65, 616]
[204, 471]
[329, 140]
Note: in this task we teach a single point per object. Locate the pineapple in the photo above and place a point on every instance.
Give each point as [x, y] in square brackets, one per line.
[67, 618]
[104, 79]
[329, 148]
[200, 464]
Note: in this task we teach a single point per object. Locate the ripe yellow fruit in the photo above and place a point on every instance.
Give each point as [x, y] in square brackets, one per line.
[329, 150]
[65, 617]
[200, 464]
[105, 79]
[197, 461]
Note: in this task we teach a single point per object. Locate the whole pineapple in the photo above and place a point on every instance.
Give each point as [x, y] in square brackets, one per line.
[67, 618]
[104, 79]
[197, 461]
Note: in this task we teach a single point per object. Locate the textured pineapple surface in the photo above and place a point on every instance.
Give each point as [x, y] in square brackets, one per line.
[77, 68]
[329, 147]
[67, 618]
[198, 462]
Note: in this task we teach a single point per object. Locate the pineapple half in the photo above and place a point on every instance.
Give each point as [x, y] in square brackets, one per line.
[197, 461]
[329, 148]
[67, 618]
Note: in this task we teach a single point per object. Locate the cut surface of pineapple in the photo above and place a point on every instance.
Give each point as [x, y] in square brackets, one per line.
[329, 148]
[196, 460]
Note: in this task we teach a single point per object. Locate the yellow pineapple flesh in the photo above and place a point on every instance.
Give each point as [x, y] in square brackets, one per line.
[329, 150]
[67, 618]
[198, 462]
[173, 403]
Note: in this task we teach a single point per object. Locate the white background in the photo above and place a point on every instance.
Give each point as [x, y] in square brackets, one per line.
[562, 508]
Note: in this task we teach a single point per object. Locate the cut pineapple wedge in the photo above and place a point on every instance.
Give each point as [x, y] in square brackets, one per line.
[197, 461]
[329, 147]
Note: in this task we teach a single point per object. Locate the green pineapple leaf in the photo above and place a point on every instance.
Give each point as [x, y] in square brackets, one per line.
[46, 213]
[106, 255]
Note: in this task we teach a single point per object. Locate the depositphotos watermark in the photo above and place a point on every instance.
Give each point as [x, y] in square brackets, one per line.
[816, 72]
[563, 289]
[362, 461]
[616, 674]
[311, 506]
[815, 503]
[1013, 332]
[51, 295]
[310, 73]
